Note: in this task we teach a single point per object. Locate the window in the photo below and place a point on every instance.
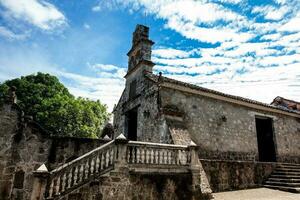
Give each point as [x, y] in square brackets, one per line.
[132, 89]
[19, 179]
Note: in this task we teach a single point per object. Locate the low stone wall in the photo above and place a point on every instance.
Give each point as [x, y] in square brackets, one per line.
[229, 155]
[289, 159]
[124, 186]
[65, 149]
[234, 175]
[24, 146]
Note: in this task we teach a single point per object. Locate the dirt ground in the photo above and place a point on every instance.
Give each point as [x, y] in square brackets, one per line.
[256, 194]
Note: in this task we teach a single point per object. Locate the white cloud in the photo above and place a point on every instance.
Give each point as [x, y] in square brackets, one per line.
[103, 67]
[292, 25]
[86, 26]
[231, 1]
[107, 89]
[5, 32]
[170, 53]
[274, 36]
[262, 84]
[96, 8]
[271, 12]
[36, 12]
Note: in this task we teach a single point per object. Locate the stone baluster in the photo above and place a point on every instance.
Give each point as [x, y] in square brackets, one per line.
[92, 163]
[174, 152]
[129, 154]
[159, 153]
[69, 179]
[81, 174]
[142, 155]
[63, 184]
[145, 155]
[112, 156]
[138, 157]
[107, 158]
[102, 160]
[164, 156]
[135, 154]
[57, 185]
[151, 156]
[156, 156]
[86, 169]
[76, 175]
[178, 157]
[51, 188]
[98, 163]
[169, 156]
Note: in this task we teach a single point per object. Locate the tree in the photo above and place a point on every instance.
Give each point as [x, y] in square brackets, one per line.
[50, 104]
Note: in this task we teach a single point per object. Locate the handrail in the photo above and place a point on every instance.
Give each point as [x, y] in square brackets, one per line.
[156, 144]
[81, 157]
[113, 155]
[141, 153]
[79, 171]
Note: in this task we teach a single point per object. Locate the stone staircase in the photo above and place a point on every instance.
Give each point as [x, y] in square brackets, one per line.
[138, 157]
[285, 177]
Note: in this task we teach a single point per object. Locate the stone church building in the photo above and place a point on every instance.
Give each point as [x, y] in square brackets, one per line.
[155, 108]
[172, 141]
[235, 135]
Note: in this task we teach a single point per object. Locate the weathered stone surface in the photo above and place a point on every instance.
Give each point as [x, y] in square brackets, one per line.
[234, 138]
[231, 175]
[120, 186]
[25, 147]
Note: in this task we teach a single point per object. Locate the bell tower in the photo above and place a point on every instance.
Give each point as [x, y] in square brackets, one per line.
[139, 56]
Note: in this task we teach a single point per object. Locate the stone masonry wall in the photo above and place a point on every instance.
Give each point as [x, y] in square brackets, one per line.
[151, 124]
[23, 149]
[64, 150]
[124, 186]
[227, 131]
[231, 175]
[24, 146]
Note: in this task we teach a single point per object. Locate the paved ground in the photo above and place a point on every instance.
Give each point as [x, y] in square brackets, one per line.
[256, 194]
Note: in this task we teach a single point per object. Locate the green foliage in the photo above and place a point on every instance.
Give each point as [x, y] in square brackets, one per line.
[51, 105]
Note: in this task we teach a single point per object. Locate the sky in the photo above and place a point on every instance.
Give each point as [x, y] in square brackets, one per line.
[248, 48]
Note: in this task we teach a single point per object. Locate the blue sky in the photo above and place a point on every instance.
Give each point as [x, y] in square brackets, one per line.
[242, 47]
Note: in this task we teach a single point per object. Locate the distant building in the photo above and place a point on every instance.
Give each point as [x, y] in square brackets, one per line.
[286, 103]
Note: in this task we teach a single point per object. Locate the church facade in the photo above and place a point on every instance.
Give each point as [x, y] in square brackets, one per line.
[155, 108]
[240, 141]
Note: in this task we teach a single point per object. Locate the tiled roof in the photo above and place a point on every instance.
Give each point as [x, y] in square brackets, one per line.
[162, 79]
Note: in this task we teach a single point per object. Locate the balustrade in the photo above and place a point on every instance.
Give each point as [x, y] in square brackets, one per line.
[80, 170]
[157, 154]
[116, 154]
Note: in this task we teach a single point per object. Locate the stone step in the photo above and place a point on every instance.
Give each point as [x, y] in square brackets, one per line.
[289, 166]
[287, 169]
[286, 180]
[285, 176]
[277, 183]
[284, 188]
[286, 173]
